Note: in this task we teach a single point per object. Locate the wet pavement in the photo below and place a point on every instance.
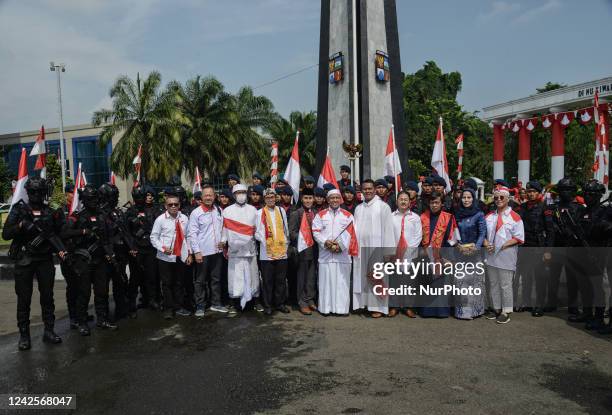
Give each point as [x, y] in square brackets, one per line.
[292, 364]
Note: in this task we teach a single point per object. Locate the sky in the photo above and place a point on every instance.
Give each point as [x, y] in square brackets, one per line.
[504, 49]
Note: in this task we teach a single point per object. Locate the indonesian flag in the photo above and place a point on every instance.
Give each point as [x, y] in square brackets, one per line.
[19, 193]
[600, 165]
[459, 142]
[274, 165]
[197, 184]
[40, 150]
[80, 183]
[293, 173]
[137, 162]
[327, 174]
[392, 161]
[113, 179]
[180, 248]
[305, 239]
[439, 163]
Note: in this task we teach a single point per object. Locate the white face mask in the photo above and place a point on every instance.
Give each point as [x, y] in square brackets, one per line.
[241, 199]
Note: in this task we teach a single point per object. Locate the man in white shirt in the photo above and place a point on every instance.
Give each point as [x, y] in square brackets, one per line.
[334, 232]
[168, 237]
[374, 227]
[239, 234]
[505, 232]
[204, 232]
[273, 235]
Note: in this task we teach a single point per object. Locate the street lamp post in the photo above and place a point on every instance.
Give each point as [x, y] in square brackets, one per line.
[58, 69]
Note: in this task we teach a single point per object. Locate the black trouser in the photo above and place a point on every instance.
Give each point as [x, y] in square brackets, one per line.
[563, 259]
[207, 283]
[188, 287]
[274, 281]
[224, 288]
[72, 289]
[143, 277]
[530, 269]
[171, 276]
[306, 282]
[292, 278]
[96, 274]
[120, 286]
[44, 271]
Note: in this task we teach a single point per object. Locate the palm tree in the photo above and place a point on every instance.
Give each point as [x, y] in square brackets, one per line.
[206, 125]
[142, 115]
[283, 131]
[254, 114]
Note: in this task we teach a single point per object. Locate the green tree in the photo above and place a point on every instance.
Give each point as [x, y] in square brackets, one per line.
[550, 86]
[5, 179]
[54, 176]
[142, 114]
[283, 131]
[429, 94]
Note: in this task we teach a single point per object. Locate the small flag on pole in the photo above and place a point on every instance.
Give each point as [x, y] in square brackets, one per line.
[459, 142]
[40, 150]
[137, 163]
[19, 192]
[274, 165]
[439, 163]
[293, 174]
[197, 184]
[393, 167]
[327, 173]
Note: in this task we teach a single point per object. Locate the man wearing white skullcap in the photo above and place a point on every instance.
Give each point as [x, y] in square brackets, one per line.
[334, 232]
[504, 233]
[238, 235]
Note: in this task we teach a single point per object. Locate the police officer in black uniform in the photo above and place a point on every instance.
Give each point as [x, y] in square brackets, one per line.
[88, 232]
[565, 240]
[534, 255]
[594, 225]
[34, 229]
[123, 247]
[143, 267]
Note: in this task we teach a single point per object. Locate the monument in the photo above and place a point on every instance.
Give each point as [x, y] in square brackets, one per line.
[360, 84]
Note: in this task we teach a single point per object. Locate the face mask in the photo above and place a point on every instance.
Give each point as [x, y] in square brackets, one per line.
[241, 199]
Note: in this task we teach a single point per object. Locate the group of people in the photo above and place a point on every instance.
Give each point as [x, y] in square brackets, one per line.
[263, 248]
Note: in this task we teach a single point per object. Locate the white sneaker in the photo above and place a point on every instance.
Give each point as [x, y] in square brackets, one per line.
[219, 309]
[199, 313]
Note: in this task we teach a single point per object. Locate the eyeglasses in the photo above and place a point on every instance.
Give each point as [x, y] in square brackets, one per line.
[499, 197]
[173, 204]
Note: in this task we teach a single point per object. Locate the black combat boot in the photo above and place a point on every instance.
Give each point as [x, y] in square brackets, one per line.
[84, 329]
[106, 325]
[25, 343]
[49, 335]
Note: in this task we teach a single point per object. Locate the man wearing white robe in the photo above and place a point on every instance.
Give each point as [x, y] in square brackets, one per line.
[334, 232]
[239, 222]
[374, 227]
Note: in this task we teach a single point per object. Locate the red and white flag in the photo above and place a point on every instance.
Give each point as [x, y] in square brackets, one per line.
[305, 239]
[393, 167]
[19, 192]
[600, 164]
[293, 174]
[80, 183]
[40, 150]
[113, 179]
[327, 174]
[197, 183]
[180, 248]
[137, 163]
[459, 142]
[274, 164]
[439, 163]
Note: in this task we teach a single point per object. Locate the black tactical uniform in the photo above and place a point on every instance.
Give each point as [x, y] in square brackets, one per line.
[34, 229]
[88, 232]
[565, 240]
[595, 227]
[532, 265]
[143, 268]
[123, 246]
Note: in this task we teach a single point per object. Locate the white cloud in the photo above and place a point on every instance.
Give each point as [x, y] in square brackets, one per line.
[499, 8]
[535, 12]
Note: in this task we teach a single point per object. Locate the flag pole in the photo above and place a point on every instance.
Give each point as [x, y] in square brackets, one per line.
[394, 166]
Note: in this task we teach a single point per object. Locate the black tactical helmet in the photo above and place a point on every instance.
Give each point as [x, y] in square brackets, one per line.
[37, 189]
[139, 194]
[89, 196]
[566, 184]
[109, 195]
[593, 186]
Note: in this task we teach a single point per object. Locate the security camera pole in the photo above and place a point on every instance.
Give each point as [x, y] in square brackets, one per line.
[58, 69]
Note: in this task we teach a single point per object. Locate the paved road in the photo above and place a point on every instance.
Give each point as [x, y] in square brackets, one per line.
[290, 364]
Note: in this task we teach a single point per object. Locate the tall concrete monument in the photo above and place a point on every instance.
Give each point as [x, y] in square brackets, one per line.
[360, 84]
